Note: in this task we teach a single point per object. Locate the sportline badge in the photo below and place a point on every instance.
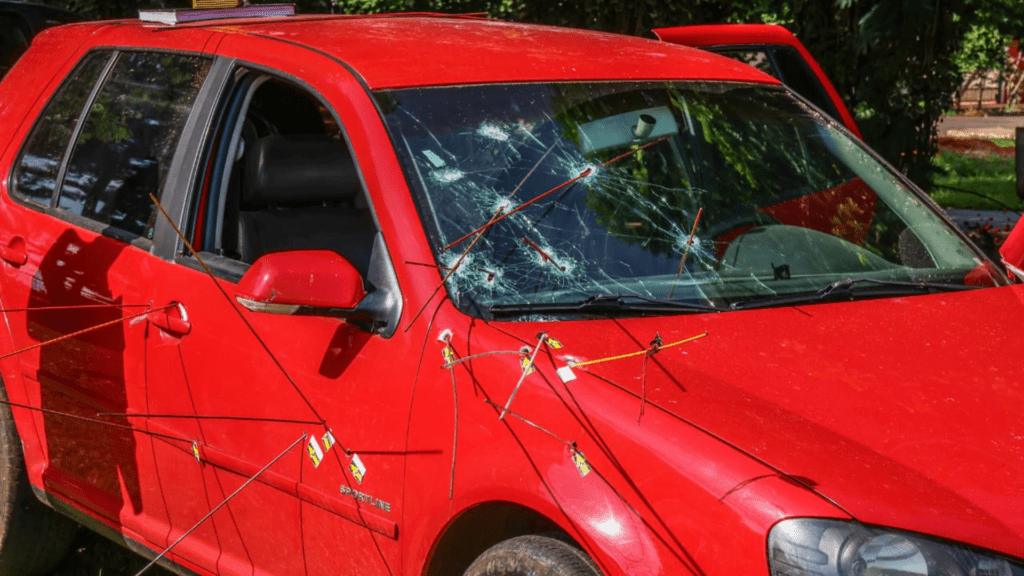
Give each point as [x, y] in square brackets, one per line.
[357, 468]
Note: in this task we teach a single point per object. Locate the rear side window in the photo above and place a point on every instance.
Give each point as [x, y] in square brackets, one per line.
[36, 174]
[121, 147]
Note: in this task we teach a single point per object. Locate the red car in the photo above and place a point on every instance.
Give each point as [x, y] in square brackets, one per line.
[431, 295]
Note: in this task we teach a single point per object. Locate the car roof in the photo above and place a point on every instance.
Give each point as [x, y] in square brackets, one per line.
[408, 50]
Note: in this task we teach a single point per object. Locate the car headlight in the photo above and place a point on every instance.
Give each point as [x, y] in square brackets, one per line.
[816, 547]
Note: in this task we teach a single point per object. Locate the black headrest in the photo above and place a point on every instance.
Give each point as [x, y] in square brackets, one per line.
[298, 169]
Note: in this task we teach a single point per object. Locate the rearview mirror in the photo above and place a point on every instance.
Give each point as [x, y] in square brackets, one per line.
[311, 282]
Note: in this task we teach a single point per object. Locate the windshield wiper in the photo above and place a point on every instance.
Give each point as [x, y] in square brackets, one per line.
[844, 290]
[602, 303]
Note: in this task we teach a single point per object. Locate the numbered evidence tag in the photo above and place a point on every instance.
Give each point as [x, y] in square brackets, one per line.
[565, 374]
[527, 366]
[357, 468]
[314, 451]
[581, 462]
[328, 440]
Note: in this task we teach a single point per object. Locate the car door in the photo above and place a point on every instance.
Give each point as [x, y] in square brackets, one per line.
[323, 402]
[845, 210]
[76, 234]
[772, 49]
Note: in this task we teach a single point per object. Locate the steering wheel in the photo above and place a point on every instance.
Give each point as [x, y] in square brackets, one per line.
[725, 232]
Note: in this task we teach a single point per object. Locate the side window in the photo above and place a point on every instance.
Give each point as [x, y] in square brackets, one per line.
[280, 177]
[121, 148]
[128, 138]
[35, 177]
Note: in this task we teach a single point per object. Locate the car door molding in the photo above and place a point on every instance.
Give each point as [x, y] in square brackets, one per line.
[349, 509]
[346, 507]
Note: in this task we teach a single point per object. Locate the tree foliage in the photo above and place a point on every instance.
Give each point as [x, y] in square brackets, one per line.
[896, 63]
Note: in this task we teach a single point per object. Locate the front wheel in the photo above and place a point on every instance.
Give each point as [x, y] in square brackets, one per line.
[533, 556]
[33, 538]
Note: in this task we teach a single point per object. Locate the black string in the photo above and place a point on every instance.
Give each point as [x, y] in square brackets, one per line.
[94, 421]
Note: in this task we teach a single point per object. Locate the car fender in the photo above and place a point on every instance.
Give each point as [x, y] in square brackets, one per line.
[649, 498]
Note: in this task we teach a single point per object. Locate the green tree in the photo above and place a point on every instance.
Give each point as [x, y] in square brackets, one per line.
[896, 63]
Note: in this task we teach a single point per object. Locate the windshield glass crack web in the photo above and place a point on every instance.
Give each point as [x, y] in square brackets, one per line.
[554, 193]
[547, 247]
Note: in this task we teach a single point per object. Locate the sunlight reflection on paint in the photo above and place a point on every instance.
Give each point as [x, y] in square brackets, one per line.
[608, 526]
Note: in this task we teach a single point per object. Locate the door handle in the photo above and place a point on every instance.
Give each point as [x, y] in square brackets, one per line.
[173, 320]
[14, 252]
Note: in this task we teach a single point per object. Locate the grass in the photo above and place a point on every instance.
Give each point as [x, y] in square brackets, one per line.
[986, 183]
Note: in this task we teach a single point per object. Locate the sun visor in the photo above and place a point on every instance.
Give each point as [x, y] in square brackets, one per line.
[626, 129]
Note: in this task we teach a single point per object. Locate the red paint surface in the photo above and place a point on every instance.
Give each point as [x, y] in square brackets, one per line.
[319, 278]
[903, 411]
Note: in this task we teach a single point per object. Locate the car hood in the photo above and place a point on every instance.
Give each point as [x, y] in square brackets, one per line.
[905, 412]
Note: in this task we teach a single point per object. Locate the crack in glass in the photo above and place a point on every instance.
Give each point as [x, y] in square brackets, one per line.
[554, 193]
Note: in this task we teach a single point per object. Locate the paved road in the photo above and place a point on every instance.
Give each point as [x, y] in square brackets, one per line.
[979, 126]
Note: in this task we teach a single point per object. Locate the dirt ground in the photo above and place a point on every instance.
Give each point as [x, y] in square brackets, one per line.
[94, 555]
[976, 147]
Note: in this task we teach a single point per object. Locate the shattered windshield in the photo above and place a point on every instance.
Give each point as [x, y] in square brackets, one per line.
[697, 194]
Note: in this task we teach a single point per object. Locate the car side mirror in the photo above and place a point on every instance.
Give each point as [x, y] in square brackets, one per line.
[307, 282]
[1012, 251]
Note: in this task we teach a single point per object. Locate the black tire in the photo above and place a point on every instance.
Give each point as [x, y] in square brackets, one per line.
[33, 537]
[533, 556]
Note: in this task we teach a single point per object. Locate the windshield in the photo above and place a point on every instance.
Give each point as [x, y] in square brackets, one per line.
[700, 193]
